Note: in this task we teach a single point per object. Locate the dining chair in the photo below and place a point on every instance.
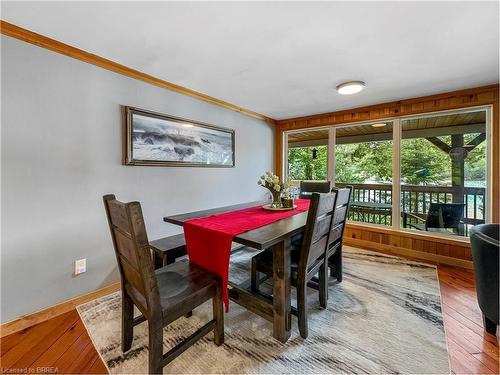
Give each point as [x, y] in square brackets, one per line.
[306, 261]
[335, 241]
[162, 295]
[309, 187]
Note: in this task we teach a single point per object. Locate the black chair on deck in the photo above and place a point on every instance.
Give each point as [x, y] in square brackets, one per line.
[309, 187]
[439, 218]
[162, 296]
[307, 260]
[485, 245]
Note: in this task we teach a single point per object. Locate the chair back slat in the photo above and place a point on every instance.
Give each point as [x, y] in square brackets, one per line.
[343, 195]
[336, 233]
[117, 212]
[133, 276]
[322, 227]
[126, 248]
[130, 240]
[317, 250]
[340, 215]
[318, 227]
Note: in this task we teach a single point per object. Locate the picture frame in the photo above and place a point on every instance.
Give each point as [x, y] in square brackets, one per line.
[157, 139]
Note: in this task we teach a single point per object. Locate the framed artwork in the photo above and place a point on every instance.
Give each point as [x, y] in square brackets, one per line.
[163, 140]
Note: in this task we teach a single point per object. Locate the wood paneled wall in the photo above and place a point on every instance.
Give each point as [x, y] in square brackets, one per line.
[423, 246]
[451, 251]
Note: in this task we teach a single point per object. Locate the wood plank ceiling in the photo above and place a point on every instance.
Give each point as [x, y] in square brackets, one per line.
[421, 123]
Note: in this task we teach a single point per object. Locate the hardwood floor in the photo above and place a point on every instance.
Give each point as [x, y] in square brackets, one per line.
[58, 345]
[471, 349]
[62, 344]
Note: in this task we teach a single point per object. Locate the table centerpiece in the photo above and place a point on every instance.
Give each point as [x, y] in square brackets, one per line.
[278, 189]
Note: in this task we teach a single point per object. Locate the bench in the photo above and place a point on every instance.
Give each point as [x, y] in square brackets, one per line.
[166, 250]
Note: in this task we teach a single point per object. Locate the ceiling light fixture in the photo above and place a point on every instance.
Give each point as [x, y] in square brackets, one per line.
[379, 125]
[349, 88]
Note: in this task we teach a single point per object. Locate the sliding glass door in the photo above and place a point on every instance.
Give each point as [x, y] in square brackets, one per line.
[426, 173]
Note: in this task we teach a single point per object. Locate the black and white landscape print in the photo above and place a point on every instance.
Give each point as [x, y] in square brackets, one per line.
[173, 141]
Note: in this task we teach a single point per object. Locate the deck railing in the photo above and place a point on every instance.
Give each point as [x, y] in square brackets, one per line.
[415, 199]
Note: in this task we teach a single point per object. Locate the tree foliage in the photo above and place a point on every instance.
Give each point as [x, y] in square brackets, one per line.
[302, 166]
[372, 162]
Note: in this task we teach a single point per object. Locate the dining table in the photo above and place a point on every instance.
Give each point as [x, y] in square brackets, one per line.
[276, 236]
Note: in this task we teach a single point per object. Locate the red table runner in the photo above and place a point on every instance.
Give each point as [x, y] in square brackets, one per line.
[208, 239]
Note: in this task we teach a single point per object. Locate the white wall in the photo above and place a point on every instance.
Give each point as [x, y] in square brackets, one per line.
[61, 151]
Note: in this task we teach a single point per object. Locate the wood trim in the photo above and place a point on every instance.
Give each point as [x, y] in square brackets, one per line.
[399, 251]
[53, 311]
[495, 157]
[39, 40]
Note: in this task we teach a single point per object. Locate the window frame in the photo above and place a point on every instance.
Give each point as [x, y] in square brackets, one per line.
[396, 159]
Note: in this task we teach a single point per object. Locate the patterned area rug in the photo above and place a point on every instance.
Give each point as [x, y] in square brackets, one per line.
[385, 317]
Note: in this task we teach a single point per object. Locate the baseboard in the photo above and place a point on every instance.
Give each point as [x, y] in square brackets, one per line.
[26, 321]
[401, 251]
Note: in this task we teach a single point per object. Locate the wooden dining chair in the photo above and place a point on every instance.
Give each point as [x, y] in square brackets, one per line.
[308, 260]
[309, 187]
[162, 296]
[334, 252]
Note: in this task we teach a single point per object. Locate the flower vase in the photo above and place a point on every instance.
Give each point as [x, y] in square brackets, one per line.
[276, 199]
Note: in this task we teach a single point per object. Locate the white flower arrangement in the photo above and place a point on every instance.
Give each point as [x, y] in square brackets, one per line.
[272, 182]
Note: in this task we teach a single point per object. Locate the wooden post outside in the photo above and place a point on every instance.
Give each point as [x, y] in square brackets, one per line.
[457, 170]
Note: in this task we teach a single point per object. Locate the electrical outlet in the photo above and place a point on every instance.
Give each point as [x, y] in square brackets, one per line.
[80, 266]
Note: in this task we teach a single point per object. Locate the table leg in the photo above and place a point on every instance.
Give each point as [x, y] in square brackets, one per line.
[158, 260]
[281, 291]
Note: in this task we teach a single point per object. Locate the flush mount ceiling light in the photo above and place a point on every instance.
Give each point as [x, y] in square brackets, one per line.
[379, 125]
[349, 88]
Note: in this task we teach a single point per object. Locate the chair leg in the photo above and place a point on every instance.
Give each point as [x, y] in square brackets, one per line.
[302, 309]
[218, 311]
[336, 269]
[323, 285]
[255, 279]
[127, 321]
[489, 325]
[155, 349]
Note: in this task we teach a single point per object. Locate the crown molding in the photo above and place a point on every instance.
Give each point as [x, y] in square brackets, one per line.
[42, 41]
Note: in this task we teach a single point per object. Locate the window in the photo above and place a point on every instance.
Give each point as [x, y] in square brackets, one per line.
[363, 159]
[421, 173]
[443, 172]
[307, 157]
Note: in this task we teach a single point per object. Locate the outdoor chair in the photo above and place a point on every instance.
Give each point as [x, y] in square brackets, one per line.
[439, 218]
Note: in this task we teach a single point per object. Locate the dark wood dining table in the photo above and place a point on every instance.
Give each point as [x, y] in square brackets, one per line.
[276, 236]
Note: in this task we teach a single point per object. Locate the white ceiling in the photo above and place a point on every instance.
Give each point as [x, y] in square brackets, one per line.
[284, 59]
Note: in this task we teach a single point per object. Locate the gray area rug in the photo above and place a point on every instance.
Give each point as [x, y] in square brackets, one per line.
[385, 317]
